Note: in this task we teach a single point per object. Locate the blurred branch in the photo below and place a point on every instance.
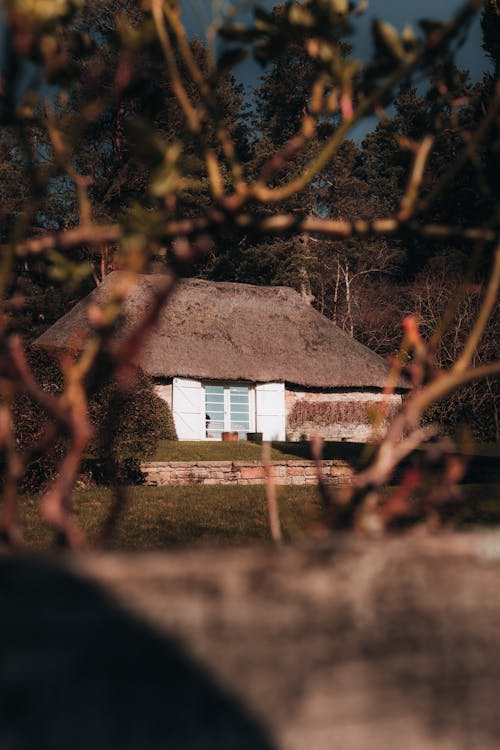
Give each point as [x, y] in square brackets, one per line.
[481, 322]
[191, 113]
[272, 500]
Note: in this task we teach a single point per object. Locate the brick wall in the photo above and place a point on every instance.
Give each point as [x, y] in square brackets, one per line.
[242, 472]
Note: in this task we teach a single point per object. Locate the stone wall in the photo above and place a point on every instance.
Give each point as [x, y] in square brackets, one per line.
[349, 431]
[242, 472]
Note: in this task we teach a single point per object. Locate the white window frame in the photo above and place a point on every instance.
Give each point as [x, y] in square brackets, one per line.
[227, 404]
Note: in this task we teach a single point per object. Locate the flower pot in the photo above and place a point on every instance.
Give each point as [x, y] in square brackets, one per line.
[254, 437]
[233, 437]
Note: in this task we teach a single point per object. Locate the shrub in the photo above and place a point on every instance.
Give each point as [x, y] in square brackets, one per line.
[165, 420]
[127, 425]
[31, 420]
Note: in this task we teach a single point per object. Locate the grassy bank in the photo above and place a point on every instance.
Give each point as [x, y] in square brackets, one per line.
[161, 517]
[206, 450]
[165, 517]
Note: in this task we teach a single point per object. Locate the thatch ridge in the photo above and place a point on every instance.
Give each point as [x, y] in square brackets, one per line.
[228, 331]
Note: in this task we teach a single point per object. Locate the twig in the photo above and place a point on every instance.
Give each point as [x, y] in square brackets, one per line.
[191, 114]
[272, 502]
[409, 199]
[433, 44]
[70, 411]
[316, 444]
[481, 322]
[88, 234]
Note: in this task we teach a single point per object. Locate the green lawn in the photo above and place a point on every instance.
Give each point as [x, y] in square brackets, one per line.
[208, 450]
[199, 450]
[165, 517]
[162, 517]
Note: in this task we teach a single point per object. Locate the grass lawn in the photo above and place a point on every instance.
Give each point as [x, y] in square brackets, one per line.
[207, 450]
[166, 517]
[163, 517]
[216, 450]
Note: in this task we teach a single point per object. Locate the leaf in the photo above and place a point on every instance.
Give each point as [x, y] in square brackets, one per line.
[387, 40]
[299, 16]
[66, 271]
[165, 179]
[339, 6]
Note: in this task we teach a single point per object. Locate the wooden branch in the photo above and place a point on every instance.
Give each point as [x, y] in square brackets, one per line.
[209, 97]
[433, 44]
[190, 112]
[487, 306]
[70, 411]
[96, 234]
[272, 500]
[92, 234]
[410, 197]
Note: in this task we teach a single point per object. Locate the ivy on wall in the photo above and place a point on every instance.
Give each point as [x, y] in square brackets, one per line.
[337, 412]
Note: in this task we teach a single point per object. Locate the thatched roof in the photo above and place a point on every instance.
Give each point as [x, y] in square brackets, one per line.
[227, 331]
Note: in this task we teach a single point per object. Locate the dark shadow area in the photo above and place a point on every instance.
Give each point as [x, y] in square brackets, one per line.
[77, 671]
[331, 450]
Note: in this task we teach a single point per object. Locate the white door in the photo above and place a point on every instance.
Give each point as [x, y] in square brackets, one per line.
[270, 410]
[188, 409]
[228, 408]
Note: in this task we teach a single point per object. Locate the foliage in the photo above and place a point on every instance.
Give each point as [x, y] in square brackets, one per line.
[336, 412]
[127, 424]
[31, 422]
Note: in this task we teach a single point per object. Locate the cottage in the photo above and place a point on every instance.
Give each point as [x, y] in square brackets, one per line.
[241, 358]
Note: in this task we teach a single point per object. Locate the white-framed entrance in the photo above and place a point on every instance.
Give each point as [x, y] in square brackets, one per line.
[229, 407]
[202, 410]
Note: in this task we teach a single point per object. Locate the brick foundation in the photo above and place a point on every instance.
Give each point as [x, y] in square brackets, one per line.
[172, 473]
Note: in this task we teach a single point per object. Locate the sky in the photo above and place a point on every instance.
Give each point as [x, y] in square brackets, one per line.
[197, 15]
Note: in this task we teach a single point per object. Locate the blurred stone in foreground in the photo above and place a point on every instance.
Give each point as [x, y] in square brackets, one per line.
[353, 645]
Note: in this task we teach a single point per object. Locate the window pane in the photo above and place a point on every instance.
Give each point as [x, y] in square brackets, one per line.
[239, 405]
[214, 411]
[214, 390]
[216, 420]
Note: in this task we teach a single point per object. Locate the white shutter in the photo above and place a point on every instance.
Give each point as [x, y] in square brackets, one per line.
[270, 410]
[188, 409]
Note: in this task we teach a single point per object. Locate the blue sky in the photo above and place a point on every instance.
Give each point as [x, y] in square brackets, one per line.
[197, 14]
